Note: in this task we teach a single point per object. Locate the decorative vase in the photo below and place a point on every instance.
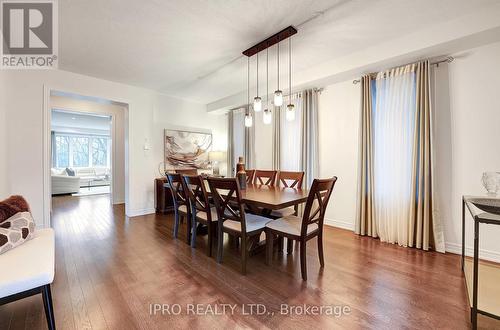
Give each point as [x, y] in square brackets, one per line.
[491, 182]
[241, 175]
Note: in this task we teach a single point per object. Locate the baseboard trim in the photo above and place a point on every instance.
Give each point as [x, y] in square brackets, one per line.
[339, 224]
[139, 212]
[469, 251]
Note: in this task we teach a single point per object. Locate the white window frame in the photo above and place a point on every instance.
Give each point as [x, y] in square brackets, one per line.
[90, 137]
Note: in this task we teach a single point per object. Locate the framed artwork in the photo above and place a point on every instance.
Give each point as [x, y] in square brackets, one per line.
[187, 149]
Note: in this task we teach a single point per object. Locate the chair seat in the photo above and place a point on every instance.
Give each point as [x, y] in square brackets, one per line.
[182, 209]
[281, 213]
[253, 222]
[203, 215]
[290, 225]
[29, 265]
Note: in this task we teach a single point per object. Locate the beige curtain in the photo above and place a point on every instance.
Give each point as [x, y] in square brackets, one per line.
[276, 138]
[309, 151]
[425, 229]
[230, 148]
[365, 213]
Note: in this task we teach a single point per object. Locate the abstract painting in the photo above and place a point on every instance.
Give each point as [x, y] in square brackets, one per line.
[185, 149]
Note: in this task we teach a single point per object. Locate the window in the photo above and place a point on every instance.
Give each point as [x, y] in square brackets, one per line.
[81, 150]
[99, 151]
[62, 151]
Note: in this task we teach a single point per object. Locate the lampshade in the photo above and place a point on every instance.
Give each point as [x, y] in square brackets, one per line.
[257, 104]
[290, 112]
[216, 156]
[278, 98]
[248, 120]
[267, 117]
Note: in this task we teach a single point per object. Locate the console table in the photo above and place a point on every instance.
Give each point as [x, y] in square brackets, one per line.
[163, 196]
[490, 289]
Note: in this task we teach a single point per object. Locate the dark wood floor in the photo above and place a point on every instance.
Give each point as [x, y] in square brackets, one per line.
[110, 268]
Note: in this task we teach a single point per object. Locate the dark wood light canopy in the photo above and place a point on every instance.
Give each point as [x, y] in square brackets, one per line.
[272, 40]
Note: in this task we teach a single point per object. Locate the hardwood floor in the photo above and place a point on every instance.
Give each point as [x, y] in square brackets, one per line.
[110, 268]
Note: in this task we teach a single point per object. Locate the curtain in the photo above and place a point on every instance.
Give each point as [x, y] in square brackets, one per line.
[53, 148]
[365, 217]
[277, 138]
[290, 158]
[309, 147]
[395, 189]
[393, 127]
[238, 136]
[230, 146]
[425, 228]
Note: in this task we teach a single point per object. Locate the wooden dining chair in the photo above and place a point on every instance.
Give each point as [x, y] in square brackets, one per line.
[288, 180]
[305, 228]
[187, 171]
[181, 203]
[293, 180]
[201, 212]
[265, 177]
[233, 219]
[250, 174]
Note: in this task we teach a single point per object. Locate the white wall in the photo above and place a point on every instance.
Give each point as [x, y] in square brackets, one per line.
[473, 109]
[339, 108]
[148, 111]
[3, 139]
[118, 113]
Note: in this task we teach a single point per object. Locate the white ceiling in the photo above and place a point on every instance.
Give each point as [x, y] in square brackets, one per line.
[192, 49]
[71, 121]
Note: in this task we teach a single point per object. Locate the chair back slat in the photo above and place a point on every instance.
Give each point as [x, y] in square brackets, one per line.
[290, 179]
[197, 193]
[317, 201]
[227, 198]
[264, 177]
[178, 194]
[250, 174]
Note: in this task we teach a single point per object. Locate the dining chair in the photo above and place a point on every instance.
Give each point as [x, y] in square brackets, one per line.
[288, 180]
[181, 203]
[265, 177]
[201, 212]
[302, 229]
[233, 219]
[187, 171]
[293, 180]
[250, 174]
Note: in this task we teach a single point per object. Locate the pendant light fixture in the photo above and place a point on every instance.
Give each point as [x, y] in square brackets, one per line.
[267, 116]
[248, 115]
[290, 108]
[278, 94]
[257, 101]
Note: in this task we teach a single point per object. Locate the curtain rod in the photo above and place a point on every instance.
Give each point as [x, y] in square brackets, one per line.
[448, 59]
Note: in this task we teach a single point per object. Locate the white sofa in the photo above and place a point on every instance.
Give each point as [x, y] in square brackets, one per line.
[62, 183]
[28, 270]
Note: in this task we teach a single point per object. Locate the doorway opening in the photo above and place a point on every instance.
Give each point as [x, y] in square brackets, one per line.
[86, 147]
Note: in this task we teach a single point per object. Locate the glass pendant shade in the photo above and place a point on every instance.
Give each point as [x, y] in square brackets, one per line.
[278, 98]
[248, 120]
[257, 104]
[290, 112]
[267, 117]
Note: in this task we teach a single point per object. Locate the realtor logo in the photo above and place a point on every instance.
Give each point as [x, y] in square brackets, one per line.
[29, 34]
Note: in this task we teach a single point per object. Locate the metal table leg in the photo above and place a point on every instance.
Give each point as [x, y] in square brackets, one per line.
[463, 234]
[475, 275]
